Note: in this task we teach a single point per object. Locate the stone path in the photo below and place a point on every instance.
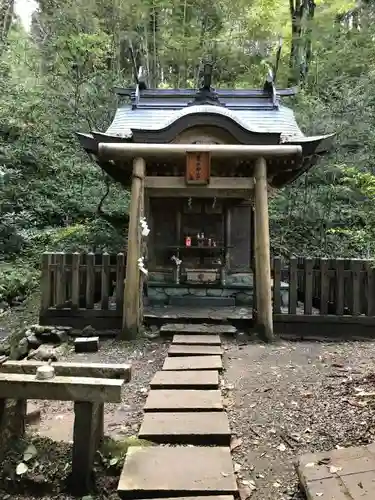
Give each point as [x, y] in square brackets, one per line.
[343, 474]
[184, 407]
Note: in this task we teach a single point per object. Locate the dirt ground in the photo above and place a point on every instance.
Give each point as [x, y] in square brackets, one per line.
[282, 400]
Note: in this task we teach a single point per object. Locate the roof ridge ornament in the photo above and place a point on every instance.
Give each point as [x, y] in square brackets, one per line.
[206, 95]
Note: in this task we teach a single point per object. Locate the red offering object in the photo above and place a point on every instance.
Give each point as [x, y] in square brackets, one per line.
[188, 241]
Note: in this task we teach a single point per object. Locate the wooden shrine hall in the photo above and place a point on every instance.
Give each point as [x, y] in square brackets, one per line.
[200, 166]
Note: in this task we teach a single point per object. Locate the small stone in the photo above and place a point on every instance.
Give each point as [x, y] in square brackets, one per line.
[44, 353]
[22, 348]
[88, 331]
[65, 328]
[41, 328]
[86, 344]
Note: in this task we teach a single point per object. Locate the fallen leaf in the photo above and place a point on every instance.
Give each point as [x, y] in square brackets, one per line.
[310, 464]
[30, 453]
[276, 484]
[281, 447]
[235, 442]
[319, 494]
[334, 469]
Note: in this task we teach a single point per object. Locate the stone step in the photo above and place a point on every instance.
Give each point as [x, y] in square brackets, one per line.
[193, 301]
[199, 328]
[194, 350]
[193, 363]
[200, 428]
[183, 400]
[163, 471]
[197, 339]
[193, 379]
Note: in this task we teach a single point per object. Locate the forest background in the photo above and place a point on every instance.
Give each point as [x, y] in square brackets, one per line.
[57, 78]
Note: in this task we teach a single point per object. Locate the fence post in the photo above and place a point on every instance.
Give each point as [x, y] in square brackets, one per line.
[355, 268]
[276, 285]
[105, 275]
[308, 286]
[324, 286]
[293, 276]
[120, 276]
[370, 288]
[339, 286]
[46, 282]
[90, 280]
[75, 279]
[60, 280]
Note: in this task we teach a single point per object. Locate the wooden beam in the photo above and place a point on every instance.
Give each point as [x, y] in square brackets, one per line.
[170, 182]
[65, 369]
[99, 390]
[131, 316]
[111, 151]
[262, 252]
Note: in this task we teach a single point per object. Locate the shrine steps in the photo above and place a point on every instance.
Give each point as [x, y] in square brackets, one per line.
[193, 301]
[184, 416]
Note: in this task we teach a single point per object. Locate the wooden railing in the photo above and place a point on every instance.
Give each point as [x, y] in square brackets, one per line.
[326, 286]
[80, 289]
[80, 281]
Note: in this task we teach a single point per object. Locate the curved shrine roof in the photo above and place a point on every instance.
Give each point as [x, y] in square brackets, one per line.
[251, 116]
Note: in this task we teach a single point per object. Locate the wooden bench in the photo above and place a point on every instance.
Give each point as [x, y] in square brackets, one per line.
[89, 385]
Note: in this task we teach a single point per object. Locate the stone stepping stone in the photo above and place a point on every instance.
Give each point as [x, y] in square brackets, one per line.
[200, 428]
[203, 329]
[163, 471]
[196, 339]
[194, 350]
[193, 379]
[183, 400]
[193, 363]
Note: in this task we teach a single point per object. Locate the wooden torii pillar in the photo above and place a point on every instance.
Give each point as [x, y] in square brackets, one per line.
[131, 319]
[132, 293]
[262, 252]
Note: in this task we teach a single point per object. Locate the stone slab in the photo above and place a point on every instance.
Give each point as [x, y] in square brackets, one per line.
[193, 363]
[194, 350]
[67, 369]
[86, 344]
[198, 328]
[203, 428]
[192, 379]
[161, 471]
[196, 339]
[183, 400]
[344, 474]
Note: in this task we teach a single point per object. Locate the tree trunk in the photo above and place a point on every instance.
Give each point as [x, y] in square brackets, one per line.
[6, 17]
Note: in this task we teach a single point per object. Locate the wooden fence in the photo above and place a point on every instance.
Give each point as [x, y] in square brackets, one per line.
[81, 289]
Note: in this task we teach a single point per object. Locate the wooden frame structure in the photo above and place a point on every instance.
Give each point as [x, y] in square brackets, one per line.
[88, 385]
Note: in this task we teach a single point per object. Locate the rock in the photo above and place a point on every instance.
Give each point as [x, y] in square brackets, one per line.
[41, 328]
[22, 349]
[152, 333]
[4, 348]
[67, 329]
[88, 331]
[86, 344]
[44, 353]
[33, 340]
[51, 336]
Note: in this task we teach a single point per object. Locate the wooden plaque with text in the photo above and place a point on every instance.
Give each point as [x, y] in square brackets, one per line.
[198, 167]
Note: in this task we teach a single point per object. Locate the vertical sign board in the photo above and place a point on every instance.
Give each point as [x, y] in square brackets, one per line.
[198, 167]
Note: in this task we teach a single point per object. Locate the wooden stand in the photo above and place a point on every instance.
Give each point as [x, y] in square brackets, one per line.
[131, 316]
[262, 252]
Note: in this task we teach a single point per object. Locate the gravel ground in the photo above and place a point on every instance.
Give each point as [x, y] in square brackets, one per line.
[290, 398]
[282, 400]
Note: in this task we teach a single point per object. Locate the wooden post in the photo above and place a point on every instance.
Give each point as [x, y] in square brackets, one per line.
[262, 251]
[131, 317]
